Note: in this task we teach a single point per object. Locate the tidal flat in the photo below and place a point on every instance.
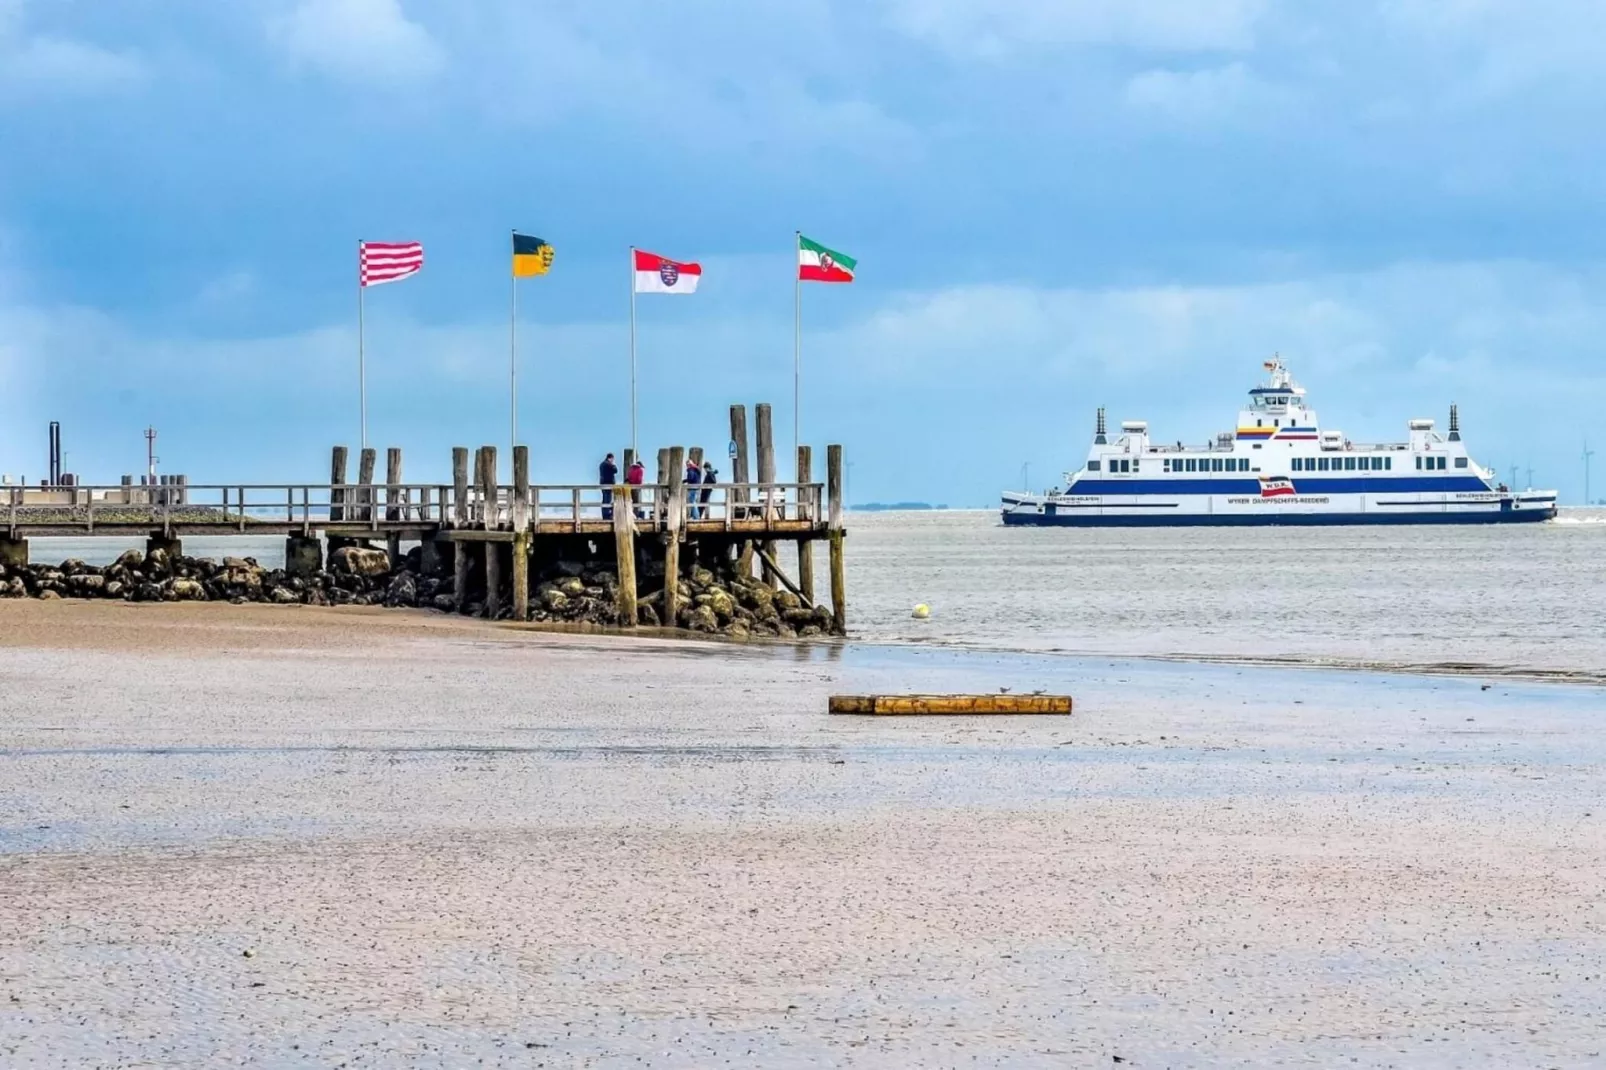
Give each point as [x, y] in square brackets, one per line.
[288, 836]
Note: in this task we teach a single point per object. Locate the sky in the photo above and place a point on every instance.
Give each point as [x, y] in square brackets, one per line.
[1055, 205]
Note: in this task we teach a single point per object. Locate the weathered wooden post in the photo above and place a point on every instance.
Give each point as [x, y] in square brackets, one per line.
[736, 495]
[337, 479]
[365, 481]
[493, 556]
[521, 533]
[393, 477]
[624, 548]
[809, 508]
[460, 550]
[764, 434]
[839, 579]
[674, 515]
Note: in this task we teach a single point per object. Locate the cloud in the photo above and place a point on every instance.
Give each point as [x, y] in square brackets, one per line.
[1215, 95]
[996, 28]
[366, 42]
[38, 64]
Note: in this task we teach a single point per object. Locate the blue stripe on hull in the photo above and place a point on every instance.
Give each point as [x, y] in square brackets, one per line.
[1245, 520]
[1304, 482]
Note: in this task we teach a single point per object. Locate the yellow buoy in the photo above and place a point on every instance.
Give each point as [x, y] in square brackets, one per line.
[922, 611]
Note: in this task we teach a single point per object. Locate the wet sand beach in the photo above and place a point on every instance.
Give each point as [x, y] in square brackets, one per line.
[280, 837]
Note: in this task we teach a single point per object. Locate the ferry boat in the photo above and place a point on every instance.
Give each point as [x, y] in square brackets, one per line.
[1279, 466]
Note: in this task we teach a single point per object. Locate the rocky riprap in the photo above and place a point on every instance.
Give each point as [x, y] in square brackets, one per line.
[563, 592]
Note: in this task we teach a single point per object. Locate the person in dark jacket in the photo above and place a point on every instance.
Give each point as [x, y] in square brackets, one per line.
[608, 476]
[694, 476]
[636, 475]
[710, 477]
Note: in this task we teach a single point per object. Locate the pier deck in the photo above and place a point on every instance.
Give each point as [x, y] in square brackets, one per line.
[478, 523]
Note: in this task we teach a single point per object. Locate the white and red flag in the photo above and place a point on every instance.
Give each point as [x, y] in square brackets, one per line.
[388, 261]
[659, 275]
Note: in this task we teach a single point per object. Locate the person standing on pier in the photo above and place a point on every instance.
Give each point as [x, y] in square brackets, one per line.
[710, 477]
[694, 476]
[635, 476]
[607, 475]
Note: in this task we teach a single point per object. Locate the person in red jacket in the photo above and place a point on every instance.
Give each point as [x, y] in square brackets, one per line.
[635, 475]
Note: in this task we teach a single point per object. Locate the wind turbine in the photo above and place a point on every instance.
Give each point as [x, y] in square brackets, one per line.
[1587, 455]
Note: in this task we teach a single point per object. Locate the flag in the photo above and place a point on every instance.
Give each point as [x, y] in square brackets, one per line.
[657, 275]
[387, 261]
[531, 256]
[816, 263]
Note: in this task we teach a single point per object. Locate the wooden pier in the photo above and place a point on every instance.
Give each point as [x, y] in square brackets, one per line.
[478, 527]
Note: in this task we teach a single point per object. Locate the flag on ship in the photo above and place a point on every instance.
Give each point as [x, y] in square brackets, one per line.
[1276, 487]
[531, 256]
[659, 275]
[816, 263]
[388, 261]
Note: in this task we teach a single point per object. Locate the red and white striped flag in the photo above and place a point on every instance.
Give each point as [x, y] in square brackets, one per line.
[388, 261]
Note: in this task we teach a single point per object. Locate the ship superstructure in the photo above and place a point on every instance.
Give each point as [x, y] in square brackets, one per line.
[1278, 466]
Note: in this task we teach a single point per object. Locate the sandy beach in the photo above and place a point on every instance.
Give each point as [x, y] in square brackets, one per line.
[269, 836]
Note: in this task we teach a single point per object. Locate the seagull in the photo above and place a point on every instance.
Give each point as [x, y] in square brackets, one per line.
[1039, 691]
[1003, 690]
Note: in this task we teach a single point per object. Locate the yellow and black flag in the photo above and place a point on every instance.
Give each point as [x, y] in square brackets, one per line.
[531, 256]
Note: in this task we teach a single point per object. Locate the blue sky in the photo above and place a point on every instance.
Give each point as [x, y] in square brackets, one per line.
[1056, 204]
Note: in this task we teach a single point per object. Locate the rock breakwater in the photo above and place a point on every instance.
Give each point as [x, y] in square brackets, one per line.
[711, 601]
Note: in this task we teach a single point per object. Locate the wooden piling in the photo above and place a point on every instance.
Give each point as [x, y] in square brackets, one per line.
[674, 522]
[805, 548]
[663, 466]
[521, 533]
[624, 545]
[764, 436]
[736, 496]
[337, 479]
[393, 478]
[365, 482]
[459, 486]
[839, 580]
[490, 519]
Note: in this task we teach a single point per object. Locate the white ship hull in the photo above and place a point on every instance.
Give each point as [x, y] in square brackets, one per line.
[1278, 466]
[1229, 510]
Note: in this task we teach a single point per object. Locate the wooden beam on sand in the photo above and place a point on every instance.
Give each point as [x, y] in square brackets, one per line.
[951, 705]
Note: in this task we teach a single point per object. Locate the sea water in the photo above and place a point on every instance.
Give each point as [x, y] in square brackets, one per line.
[1520, 598]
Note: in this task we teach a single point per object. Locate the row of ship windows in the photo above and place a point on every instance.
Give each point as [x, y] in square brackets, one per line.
[1206, 464]
[1344, 464]
[1300, 464]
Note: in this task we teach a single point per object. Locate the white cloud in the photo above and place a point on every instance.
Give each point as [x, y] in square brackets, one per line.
[1491, 47]
[361, 41]
[1215, 95]
[36, 64]
[1001, 27]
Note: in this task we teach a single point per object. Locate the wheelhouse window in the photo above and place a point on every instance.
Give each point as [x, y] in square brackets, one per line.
[1092, 466]
[1388, 463]
[1460, 462]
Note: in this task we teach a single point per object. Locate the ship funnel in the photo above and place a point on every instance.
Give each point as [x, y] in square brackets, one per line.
[1455, 424]
[1099, 435]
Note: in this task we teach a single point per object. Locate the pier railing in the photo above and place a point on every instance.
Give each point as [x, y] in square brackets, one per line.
[410, 508]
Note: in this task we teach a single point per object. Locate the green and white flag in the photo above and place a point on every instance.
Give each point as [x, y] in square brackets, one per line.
[816, 263]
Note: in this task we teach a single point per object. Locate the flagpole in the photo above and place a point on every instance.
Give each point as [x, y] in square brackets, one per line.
[513, 360]
[362, 363]
[634, 448]
[797, 340]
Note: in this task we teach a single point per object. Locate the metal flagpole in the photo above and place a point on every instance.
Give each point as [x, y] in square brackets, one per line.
[797, 339]
[512, 360]
[362, 364]
[634, 448]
